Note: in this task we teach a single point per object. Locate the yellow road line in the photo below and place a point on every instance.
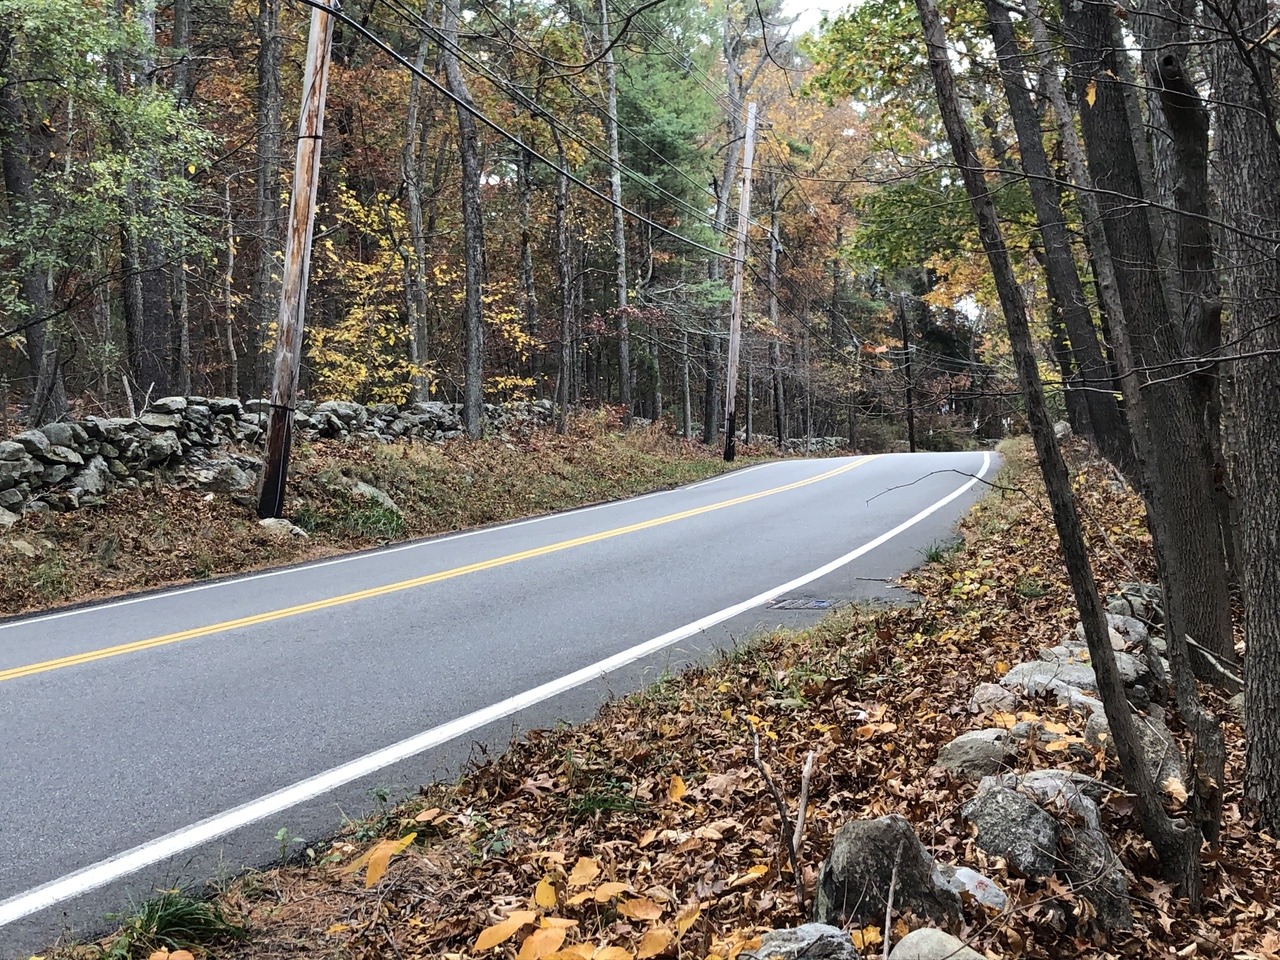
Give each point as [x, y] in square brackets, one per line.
[267, 617]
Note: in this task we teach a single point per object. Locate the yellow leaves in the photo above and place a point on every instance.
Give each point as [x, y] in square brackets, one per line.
[546, 940]
[655, 942]
[1176, 789]
[676, 790]
[1002, 667]
[754, 873]
[545, 893]
[867, 937]
[1091, 92]
[584, 871]
[640, 908]
[503, 930]
[378, 857]
[687, 917]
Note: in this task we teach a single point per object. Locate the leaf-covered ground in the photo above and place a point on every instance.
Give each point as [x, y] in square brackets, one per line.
[146, 538]
[650, 831]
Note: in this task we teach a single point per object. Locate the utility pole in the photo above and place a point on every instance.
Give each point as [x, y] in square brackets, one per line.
[906, 353]
[297, 261]
[739, 281]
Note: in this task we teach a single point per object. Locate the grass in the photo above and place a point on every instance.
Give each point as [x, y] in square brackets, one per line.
[172, 921]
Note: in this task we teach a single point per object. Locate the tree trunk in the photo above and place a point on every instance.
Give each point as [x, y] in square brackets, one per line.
[529, 289]
[564, 271]
[1179, 475]
[228, 301]
[472, 227]
[1065, 288]
[1177, 846]
[619, 222]
[415, 293]
[686, 403]
[48, 397]
[1246, 138]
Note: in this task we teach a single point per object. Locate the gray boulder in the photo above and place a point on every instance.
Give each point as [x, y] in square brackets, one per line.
[33, 441]
[64, 434]
[282, 529]
[811, 941]
[1132, 669]
[930, 944]
[366, 491]
[1063, 790]
[7, 518]
[9, 450]
[1050, 677]
[1159, 747]
[232, 475]
[1009, 824]
[169, 405]
[1125, 632]
[854, 881]
[160, 421]
[991, 697]
[95, 477]
[977, 754]
[1098, 877]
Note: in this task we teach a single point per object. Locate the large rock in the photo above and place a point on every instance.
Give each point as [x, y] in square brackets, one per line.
[282, 529]
[231, 475]
[366, 491]
[1061, 790]
[991, 697]
[12, 451]
[1132, 668]
[169, 405]
[1039, 677]
[1125, 633]
[977, 754]
[1141, 601]
[812, 941]
[95, 477]
[7, 518]
[33, 441]
[64, 434]
[930, 944]
[1160, 748]
[854, 881]
[1009, 824]
[1098, 877]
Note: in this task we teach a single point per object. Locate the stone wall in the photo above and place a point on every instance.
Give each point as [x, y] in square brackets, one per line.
[207, 443]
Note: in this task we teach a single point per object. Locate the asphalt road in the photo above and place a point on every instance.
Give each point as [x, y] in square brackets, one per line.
[164, 739]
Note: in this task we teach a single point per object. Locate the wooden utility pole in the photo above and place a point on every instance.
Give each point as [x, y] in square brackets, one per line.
[297, 261]
[619, 218]
[906, 359]
[739, 282]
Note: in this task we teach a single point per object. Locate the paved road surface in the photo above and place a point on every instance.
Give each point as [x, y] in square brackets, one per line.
[164, 739]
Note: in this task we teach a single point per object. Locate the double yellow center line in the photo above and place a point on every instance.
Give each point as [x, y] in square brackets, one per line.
[104, 653]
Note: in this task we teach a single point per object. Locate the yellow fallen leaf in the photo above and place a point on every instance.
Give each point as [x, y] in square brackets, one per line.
[687, 917]
[584, 871]
[1054, 727]
[607, 891]
[577, 951]
[1091, 93]
[1176, 789]
[640, 908]
[503, 930]
[1002, 667]
[867, 937]
[334, 929]
[1002, 719]
[613, 953]
[541, 943]
[754, 873]
[378, 858]
[677, 789]
[544, 895]
[655, 942]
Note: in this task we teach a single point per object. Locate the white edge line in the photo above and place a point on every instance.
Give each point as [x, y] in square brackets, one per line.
[154, 851]
[367, 554]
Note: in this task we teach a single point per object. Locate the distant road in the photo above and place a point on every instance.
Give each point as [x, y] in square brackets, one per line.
[165, 738]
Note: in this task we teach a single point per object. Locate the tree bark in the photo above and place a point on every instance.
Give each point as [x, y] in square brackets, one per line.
[1177, 846]
[48, 397]
[1246, 138]
[619, 222]
[472, 227]
[416, 255]
[1179, 475]
[1065, 288]
[564, 272]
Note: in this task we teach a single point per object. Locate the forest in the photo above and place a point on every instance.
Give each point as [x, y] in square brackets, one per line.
[964, 219]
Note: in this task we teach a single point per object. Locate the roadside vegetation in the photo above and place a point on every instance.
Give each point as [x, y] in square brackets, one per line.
[157, 536]
[653, 830]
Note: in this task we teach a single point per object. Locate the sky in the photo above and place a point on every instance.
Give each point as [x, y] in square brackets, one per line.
[810, 11]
